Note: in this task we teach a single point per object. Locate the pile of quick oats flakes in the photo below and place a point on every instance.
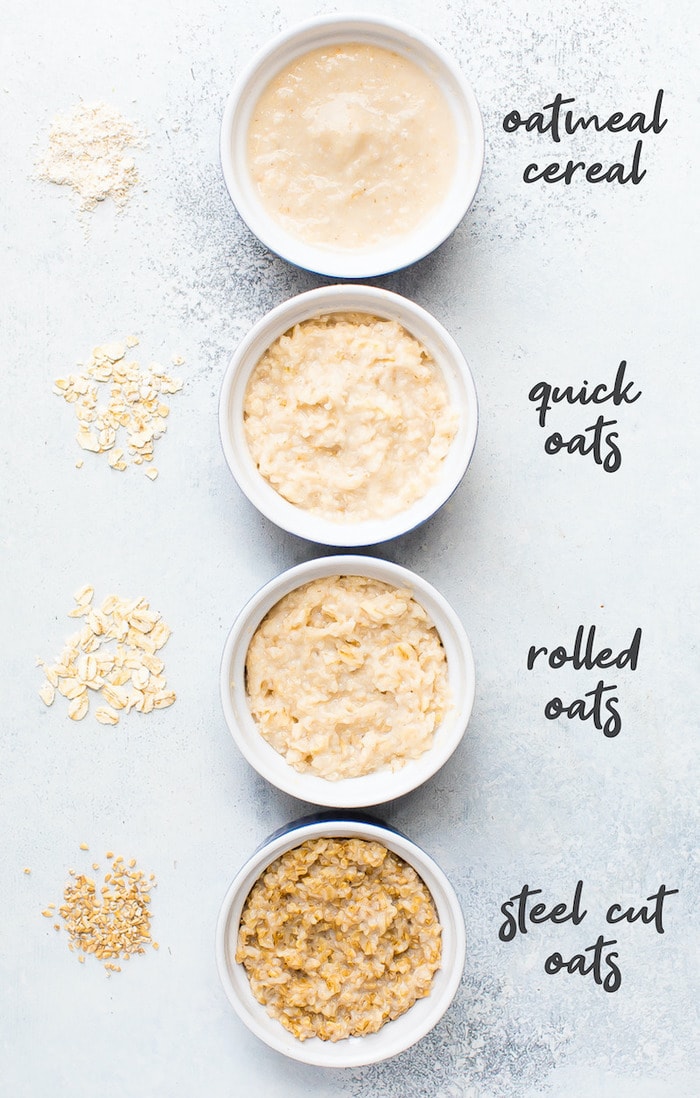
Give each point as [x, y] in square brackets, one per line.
[114, 656]
[135, 406]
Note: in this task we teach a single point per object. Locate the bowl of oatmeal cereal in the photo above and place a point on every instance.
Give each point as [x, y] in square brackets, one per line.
[348, 415]
[347, 681]
[340, 942]
[352, 145]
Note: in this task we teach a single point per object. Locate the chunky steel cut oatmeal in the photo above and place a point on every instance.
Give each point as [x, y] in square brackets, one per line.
[337, 937]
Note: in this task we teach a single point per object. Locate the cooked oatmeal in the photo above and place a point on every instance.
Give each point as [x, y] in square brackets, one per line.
[337, 937]
[351, 146]
[345, 675]
[347, 416]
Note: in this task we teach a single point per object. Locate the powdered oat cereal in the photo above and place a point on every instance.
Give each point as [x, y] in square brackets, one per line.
[345, 675]
[348, 416]
[89, 152]
[337, 937]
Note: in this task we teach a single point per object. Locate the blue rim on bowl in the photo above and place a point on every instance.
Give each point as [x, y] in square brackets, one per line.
[394, 1036]
[423, 327]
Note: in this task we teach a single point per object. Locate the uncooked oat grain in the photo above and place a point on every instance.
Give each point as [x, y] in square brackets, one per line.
[112, 923]
[114, 657]
[88, 150]
[134, 412]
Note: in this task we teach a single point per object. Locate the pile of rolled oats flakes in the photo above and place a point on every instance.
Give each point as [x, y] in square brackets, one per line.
[112, 924]
[135, 404]
[113, 655]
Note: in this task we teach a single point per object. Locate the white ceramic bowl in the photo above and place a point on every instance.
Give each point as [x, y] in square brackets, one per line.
[394, 1036]
[383, 785]
[331, 30]
[347, 298]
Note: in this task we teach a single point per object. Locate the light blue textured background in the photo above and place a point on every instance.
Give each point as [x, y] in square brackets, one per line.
[558, 283]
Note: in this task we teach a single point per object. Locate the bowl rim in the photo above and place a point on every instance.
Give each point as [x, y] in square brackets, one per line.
[410, 42]
[381, 785]
[373, 300]
[395, 1036]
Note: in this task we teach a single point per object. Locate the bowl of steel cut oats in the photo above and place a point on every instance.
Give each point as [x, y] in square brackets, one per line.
[340, 942]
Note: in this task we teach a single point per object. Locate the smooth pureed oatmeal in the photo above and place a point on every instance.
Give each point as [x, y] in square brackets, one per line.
[337, 937]
[347, 416]
[351, 146]
[346, 675]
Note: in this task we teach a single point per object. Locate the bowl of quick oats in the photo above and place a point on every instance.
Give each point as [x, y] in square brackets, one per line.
[340, 942]
[347, 681]
[348, 415]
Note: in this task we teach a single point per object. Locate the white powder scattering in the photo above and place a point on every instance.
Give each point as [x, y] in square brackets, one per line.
[88, 151]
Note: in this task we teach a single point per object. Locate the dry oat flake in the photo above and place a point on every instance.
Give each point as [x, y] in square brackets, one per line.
[134, 407]
[111, 923]
[114, 657]
[88, 151]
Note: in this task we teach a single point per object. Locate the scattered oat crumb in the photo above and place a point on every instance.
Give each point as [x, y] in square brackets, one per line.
[113, 656]
[112, 921]
[152, 473]
[178, 360]
[109, 854]
[26, 870]
[135, 408]
[84, 846]
[79, 464]
[47, 693]
[88, 151]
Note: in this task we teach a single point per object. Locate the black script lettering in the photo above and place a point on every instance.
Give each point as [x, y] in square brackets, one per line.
[655, 915]
[555, 708]
[538, 913]
[585, 965]
[557, 172]
[579, 444]
[544, 395]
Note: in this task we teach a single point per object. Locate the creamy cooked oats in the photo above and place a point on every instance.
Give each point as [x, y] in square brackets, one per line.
[346, 675]
[348, 416]
[351, 146]
[337, 937]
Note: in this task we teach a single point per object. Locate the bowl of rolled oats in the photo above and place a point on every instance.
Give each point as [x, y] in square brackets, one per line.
[347, 681]
[340, 942]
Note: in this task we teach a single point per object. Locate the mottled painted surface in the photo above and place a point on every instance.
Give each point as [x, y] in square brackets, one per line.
[556, 283]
